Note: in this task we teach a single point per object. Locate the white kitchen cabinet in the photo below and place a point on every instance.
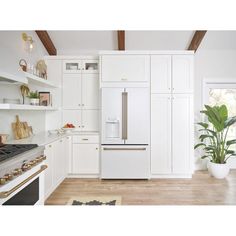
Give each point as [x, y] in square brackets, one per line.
[48, 186]
[161, 74]
[90, 120]
[89, 66]
[85, 160]
[172, 134]
[68, 155]
[125, 68]
[161, 134]
[182, 133]
[72, 66]
[71, 91]
[182, 73]
[90, 92]
[58, 161]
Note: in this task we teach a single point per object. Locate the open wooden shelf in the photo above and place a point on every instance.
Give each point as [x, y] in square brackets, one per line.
[4, 106]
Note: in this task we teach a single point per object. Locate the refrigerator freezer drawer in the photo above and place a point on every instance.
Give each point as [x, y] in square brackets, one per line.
[125, 162]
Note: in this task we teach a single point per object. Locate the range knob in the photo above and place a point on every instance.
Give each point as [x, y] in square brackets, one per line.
[17, 171]
[8, 177]
[2, 181]
[26, 167]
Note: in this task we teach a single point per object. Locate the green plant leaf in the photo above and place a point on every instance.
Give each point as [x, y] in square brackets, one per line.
[230, 121]
[230, 142]
[199, 144]
[205, 156]
[204, 125]
[204, 136]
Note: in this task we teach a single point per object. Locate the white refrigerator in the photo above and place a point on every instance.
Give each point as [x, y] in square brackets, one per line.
[125, 133]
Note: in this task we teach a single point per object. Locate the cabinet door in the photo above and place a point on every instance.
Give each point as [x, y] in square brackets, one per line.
[90, 90]
[90, 66]
[85, 158]
[160, 74]
[48, 152]
[90, 120]
[72, 117]
[161, 134]
[58, 162]
[182, 133]
[182, 74]
[125, 68]
[71, 91]
[68, 155]
[72, 66]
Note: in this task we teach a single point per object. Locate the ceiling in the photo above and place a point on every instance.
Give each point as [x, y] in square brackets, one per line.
[71, 42]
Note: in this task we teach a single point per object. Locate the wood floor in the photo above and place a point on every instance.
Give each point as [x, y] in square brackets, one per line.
[200, 190]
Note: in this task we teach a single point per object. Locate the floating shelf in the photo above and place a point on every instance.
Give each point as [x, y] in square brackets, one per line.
[4, 106]
[7, 78]
[39, 81]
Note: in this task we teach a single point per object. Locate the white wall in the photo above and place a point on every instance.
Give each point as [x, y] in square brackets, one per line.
[210, 63]
[11, 51]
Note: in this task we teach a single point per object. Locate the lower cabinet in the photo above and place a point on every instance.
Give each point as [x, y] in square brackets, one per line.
[171, 134]
[58, 156]
[85, 155]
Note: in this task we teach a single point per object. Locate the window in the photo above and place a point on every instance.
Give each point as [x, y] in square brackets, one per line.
[219, 92]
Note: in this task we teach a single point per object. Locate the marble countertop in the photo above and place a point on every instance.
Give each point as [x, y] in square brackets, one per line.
[45, 138]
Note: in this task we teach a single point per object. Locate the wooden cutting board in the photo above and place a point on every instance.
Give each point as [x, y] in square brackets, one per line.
[20, 129]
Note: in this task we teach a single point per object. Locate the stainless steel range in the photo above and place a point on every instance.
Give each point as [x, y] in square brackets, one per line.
[21, 174]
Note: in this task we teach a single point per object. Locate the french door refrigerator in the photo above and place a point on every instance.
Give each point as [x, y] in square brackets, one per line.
[125, 133]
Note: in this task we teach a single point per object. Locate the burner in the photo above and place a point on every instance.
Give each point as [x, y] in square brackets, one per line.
[11, 150]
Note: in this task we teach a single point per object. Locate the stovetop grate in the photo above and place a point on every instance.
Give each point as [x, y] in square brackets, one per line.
[11, 150]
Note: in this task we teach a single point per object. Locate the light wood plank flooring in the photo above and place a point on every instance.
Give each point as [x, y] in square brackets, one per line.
[200, 190]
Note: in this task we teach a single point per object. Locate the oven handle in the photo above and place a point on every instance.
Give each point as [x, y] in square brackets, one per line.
[8, 193]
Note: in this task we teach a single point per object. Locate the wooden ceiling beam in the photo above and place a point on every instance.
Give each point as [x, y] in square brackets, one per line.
[121, 39]
[47, 42]
[197, 39]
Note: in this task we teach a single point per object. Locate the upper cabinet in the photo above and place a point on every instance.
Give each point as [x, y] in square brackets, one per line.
[182, 73]
[160, 73]
[88, 66]
[172, 73]
[124, 68]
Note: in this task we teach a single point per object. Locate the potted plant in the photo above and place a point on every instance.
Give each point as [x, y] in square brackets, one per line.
[34, 98]
[213, 140]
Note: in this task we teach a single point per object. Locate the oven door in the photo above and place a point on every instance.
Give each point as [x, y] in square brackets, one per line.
[27, 189]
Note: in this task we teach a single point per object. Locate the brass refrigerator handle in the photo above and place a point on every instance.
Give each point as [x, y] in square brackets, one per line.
[8, 193]
[124, 149]
[124, 115]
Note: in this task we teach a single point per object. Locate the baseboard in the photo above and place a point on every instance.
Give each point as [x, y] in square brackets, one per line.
[84, 176]
[171, 176]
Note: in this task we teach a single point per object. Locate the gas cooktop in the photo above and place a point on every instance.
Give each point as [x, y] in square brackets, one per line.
[11, 150]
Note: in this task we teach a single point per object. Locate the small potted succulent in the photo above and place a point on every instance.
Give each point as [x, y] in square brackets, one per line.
[34, 98]
[214, 140]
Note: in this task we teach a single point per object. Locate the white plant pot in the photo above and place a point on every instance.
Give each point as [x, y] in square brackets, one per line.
[219, 171]
[34, 101]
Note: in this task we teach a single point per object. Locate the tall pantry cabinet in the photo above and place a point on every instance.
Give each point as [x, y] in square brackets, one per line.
[172, 115]
[80, 93]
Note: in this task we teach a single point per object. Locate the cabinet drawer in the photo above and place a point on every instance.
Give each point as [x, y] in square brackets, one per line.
[86, 139]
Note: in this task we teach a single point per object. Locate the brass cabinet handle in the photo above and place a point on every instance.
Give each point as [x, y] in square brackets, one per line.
[8, 193]
[85, 139]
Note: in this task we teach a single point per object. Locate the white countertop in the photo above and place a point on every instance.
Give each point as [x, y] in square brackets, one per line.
[45, 138]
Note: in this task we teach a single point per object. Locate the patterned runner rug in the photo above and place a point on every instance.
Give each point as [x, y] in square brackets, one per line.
[95, 201]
